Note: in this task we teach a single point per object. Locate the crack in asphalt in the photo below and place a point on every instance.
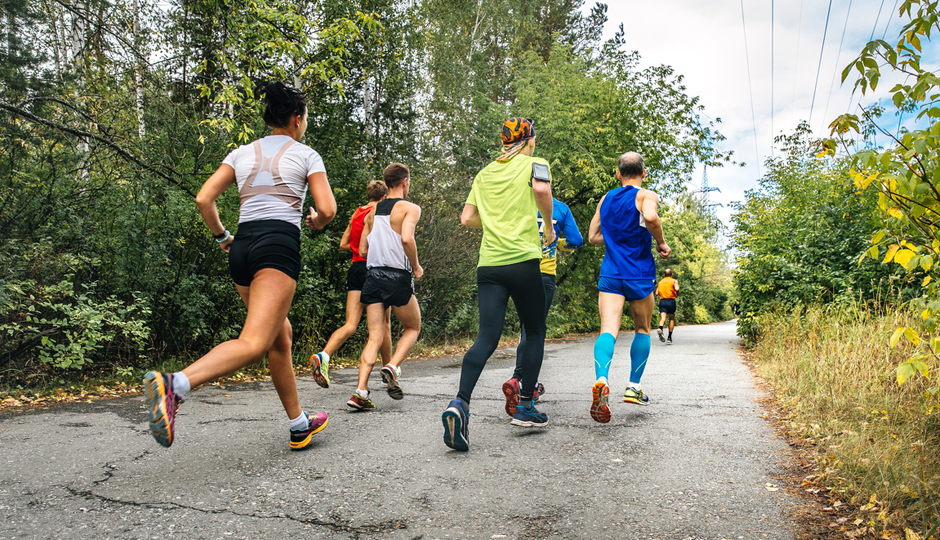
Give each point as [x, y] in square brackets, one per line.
[334, 526]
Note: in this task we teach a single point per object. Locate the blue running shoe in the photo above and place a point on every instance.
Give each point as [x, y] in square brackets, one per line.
[529, 417]
[456, 429]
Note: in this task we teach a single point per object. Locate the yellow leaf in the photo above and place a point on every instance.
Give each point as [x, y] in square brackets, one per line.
[912, 336]
[895, 212]
[903, 257]
[927, 280]
[896, 336]
[892, 249]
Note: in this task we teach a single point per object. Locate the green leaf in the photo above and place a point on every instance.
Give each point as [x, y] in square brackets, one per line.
[905, 371]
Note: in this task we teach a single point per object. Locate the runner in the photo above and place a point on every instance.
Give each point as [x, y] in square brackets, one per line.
[388, 243]
[625, 222]
[503, 201]
[272, 175]
[320, 362]
[667, 291]
[563, 224]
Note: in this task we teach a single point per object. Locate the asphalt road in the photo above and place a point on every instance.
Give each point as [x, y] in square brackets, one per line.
[698, 463]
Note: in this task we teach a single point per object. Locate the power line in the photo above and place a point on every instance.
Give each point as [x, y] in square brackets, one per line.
[819, 66]
[838, 58]
[747, 61]
[876, 21]
[894, 10]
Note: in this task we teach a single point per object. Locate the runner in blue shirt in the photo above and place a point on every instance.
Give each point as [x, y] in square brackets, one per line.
[625, 223]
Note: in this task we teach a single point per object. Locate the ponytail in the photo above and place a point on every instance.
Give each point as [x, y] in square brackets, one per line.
[281, 103]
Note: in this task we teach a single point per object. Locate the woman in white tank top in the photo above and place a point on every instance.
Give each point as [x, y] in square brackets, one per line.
[272, 175]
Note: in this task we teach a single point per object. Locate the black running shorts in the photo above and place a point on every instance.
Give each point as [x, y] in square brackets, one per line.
[356, 276]
[388, 286]
[667, 305]
[269, 243]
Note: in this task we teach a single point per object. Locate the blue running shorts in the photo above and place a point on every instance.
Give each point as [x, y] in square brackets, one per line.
[631, 289]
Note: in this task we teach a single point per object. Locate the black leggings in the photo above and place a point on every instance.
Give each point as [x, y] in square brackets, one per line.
[523, 283]
[548, 283]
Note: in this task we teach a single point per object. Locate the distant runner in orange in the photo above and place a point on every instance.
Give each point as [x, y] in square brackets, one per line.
[667, 291]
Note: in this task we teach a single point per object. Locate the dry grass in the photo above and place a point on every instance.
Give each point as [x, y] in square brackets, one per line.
[874, 444]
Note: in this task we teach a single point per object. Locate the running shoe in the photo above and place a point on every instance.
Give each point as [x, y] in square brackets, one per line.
[321, 370]
[661, 336]
[360, 403]
[511, 391]
[633, 395]
[529, 417]
[539, 390]
[669, 341]
[162, 404]
[390, 378]
[456, 420]
[299, 439]
[600, 412]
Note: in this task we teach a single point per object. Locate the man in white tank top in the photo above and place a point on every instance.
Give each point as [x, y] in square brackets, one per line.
[388, 244]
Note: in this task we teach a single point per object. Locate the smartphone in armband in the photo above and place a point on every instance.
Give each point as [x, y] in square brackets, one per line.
[540, 172]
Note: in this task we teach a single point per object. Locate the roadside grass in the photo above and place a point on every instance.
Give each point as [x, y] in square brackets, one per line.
[874, 443]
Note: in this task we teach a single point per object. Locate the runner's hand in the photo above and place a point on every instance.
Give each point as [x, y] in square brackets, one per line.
[664, 250]
[548, 235]
[418, 272]
[312, 219]
[225, 246]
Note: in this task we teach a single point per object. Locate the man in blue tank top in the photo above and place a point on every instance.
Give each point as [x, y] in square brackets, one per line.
[625, 223]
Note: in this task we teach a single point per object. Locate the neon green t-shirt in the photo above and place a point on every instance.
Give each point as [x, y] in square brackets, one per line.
[503, 196]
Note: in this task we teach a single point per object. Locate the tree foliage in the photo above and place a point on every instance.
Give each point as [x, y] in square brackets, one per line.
[112, 121]
[800, 235]
[905, 176]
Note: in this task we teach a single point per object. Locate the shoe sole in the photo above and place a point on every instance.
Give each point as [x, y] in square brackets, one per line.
[394, 389]
[512, 398]
[299, 445]
[156, 403]
[318, 375]
[453, 436]
[600, 412]
[358, 407]
[528, 423]
[661, 336]
[636, 401]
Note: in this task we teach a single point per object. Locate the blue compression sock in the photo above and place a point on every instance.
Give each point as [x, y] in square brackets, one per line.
[603, 353]
[639, 354]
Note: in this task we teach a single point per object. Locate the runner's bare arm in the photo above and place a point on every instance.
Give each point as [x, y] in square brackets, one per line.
[366, 229]
[648, 207]
[543, 199]
[470, 217]
[220, 180]
[408, 243]
[595, 236]
[347, 237]
[323, 199]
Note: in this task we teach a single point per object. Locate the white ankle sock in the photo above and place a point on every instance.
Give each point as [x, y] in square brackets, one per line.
[300, 422]
[325, 357]
[180, 384]
[362, 393]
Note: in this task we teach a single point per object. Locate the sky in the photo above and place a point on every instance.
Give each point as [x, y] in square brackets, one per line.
[763, 86]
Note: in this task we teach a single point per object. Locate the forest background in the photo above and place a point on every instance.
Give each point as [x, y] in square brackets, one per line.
[113, 114]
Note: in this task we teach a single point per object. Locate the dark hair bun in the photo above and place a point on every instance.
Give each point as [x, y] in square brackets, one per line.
[281, 103]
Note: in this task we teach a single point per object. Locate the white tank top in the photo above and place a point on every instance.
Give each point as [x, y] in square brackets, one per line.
[385, 249]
